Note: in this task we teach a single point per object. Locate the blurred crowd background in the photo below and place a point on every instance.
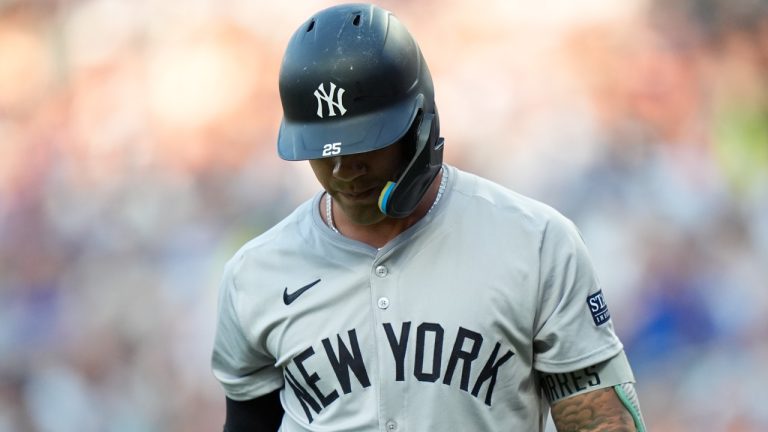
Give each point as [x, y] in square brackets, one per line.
[137, 153]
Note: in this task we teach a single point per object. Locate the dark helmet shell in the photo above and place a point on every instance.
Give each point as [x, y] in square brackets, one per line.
[352, 80]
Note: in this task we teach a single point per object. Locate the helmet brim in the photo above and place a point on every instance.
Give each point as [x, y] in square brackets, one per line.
[301, 140]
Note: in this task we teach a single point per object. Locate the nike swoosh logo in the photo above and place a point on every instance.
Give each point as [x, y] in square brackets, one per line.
[290, 298]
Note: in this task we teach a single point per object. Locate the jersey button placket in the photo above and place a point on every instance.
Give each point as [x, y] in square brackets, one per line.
[381, 271]
[382, 283]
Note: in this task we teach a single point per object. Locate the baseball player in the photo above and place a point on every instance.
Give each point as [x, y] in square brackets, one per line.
[408, 295]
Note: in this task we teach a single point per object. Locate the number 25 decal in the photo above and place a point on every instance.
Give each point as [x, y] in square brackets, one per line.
[332, 149]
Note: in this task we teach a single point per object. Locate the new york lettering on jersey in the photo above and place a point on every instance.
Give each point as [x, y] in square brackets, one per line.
[474, 374]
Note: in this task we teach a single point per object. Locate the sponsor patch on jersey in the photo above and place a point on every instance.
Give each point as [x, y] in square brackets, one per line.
[598, 308]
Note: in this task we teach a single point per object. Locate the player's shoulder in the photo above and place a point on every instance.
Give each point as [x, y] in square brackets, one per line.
[272, 243]
[492, 198]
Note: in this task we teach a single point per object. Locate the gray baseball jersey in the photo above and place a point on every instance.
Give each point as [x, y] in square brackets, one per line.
[456, 324]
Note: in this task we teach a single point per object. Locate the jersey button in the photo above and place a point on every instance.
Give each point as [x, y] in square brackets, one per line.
[381, 271]
[391, 425]
[383, 303]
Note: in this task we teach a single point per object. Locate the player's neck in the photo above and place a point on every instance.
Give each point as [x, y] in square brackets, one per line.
[380, 233]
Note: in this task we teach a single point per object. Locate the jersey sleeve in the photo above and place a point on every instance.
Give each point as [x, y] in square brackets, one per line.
[244, 371]
[573, 329]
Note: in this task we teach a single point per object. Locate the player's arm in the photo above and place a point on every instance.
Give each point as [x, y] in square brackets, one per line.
[595, 411]
[598, 398]
[261, 414]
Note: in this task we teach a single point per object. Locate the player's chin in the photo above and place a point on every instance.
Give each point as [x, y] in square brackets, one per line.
[363, 214]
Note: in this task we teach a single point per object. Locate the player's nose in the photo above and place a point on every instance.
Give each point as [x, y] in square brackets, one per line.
[348, 167]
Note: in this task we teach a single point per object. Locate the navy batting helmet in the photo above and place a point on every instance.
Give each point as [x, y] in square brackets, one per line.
[354, 80]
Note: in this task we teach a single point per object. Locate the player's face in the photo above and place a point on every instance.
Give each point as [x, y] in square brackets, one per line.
[355, 181]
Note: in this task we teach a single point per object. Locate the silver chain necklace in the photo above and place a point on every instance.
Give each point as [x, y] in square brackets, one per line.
[329, 201]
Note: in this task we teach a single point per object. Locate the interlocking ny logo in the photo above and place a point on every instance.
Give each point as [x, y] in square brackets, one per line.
[321, 96]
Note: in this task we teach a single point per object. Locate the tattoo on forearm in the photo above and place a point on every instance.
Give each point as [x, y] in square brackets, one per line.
[596, 411]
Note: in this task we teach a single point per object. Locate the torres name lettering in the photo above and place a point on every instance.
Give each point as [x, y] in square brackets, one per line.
[426, 344]
[562, 385]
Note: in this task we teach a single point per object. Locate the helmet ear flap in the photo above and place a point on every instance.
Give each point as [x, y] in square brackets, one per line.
[399, 199]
